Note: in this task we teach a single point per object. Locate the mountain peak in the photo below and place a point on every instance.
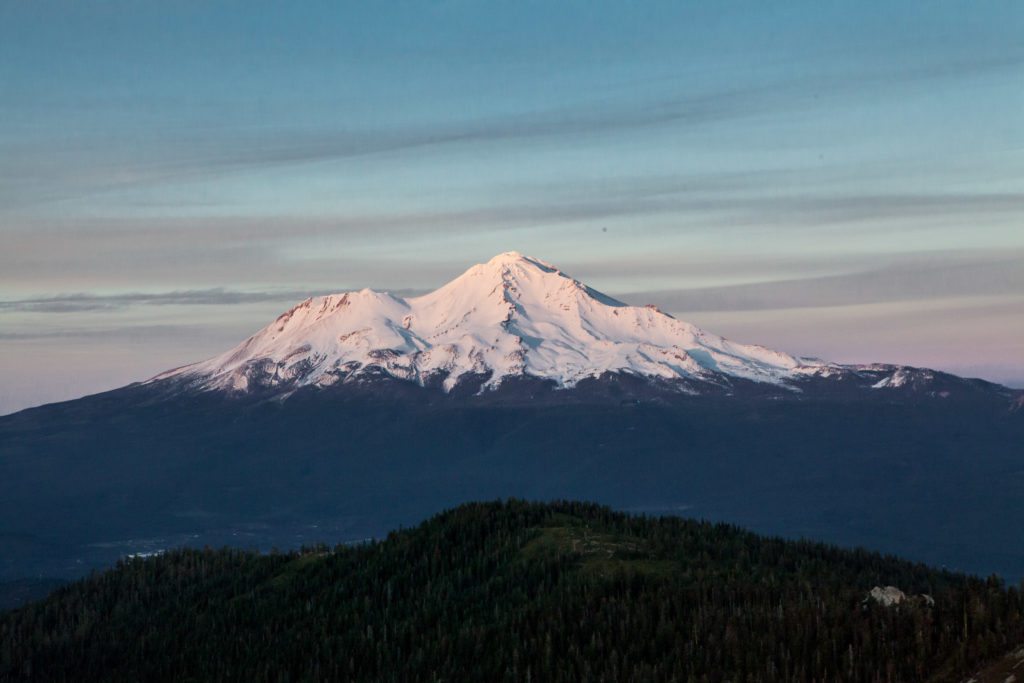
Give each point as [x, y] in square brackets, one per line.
[511, 263]
[508, 276]
[506, 257]
[512, 316]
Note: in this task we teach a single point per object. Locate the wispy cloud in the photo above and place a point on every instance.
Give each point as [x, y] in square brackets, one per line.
[86, 302]
[99, 335]
[912, 278]
[44, 171]
[324, 251]
[876, 278]
[80, 302]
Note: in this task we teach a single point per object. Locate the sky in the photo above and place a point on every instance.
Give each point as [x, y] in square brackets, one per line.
[836, 179]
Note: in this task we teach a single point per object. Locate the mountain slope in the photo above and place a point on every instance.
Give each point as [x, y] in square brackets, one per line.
[516, 591]
[135, 470]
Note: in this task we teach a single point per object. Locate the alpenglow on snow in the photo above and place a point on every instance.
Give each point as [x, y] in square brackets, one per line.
[514, 316]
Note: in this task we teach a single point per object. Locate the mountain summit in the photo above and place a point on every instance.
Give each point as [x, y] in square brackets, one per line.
[514, 316]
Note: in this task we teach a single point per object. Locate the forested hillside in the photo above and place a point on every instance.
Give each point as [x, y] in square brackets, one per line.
[518, 591]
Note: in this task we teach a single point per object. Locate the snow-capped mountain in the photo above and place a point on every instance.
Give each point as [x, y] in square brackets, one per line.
[553, 391]
[514, 316]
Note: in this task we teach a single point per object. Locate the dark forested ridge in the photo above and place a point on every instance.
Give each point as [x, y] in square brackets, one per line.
[518, 591]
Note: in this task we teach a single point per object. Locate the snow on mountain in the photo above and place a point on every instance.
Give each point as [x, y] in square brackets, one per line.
[512, 316]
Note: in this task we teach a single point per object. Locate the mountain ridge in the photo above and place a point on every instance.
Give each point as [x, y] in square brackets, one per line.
[521, 318]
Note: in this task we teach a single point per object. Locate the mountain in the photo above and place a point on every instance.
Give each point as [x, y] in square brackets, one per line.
[517, 591]
[357, 413]
[512, 318]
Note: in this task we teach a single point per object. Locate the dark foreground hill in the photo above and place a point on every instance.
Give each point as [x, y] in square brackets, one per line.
[517, 591]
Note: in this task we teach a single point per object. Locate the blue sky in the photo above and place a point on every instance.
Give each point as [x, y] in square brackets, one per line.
[842, 179]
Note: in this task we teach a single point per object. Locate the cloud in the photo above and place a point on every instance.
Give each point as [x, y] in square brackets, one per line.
[423, 248]
[105, 334]
[87, 302]
[208, 243]
[74, 303]
[45, 171]
[911, 278]
[876, 278]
